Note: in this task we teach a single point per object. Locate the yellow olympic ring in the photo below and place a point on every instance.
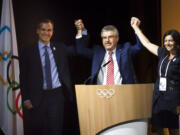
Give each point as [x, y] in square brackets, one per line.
[5, 82]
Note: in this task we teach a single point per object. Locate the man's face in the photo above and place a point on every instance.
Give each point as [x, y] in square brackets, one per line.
[109, 40]
[45, 32]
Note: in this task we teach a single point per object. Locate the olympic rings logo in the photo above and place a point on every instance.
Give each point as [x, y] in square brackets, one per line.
[105, 93]
[13, 85]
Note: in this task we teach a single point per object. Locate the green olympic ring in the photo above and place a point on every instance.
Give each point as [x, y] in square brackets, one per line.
[8, 90]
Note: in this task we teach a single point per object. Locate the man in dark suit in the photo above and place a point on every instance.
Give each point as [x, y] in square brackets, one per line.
[45, 83]
[112, 63]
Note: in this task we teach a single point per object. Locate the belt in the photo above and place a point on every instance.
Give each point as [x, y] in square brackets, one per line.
[54, 90]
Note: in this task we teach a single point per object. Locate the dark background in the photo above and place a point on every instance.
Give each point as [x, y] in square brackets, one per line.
[95, 15]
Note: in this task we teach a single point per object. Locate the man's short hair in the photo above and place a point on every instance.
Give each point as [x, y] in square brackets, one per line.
[110, 28]
[44, 21]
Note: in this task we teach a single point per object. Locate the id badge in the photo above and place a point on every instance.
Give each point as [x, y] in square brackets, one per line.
[162, 84]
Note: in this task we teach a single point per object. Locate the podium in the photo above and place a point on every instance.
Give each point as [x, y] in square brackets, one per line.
[102, 106]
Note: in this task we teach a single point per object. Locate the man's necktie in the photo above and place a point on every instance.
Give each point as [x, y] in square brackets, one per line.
[110, 70]
[48, 77]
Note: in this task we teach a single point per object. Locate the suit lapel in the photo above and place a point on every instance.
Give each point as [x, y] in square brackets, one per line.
[37, 55]
[58, 57]
[37, 59]
[53, 48]
[99, 58]
[118, 54]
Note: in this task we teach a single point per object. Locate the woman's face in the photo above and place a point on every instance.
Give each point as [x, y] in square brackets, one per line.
[169, 43]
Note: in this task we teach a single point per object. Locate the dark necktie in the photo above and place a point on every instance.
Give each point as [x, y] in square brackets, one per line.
[48, 77]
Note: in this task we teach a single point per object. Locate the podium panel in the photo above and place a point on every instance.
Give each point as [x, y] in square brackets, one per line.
[102, 106]
[139, 127]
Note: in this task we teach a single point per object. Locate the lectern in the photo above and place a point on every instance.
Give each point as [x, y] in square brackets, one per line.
[102, 106]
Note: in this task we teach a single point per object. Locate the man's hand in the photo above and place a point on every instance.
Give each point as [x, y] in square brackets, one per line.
[79, 26]
[28, 105]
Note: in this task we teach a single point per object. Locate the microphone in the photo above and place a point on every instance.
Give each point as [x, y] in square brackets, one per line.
[85, 82]
[106, 63]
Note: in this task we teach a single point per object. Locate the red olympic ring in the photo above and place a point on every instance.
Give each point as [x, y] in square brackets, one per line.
[17, 108]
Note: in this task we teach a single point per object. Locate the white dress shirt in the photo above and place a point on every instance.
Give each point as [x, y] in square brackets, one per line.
[102, 75]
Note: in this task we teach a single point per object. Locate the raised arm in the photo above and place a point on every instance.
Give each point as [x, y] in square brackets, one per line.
[135, 22]
[82, 40]
[79, 27]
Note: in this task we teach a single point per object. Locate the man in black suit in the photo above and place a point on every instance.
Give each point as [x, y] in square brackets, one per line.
[45, 82]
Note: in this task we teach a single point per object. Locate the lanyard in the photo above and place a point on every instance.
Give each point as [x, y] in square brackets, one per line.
[166, 67]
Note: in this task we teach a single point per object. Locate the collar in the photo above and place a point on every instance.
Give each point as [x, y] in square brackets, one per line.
[112, 51]
[41, 45]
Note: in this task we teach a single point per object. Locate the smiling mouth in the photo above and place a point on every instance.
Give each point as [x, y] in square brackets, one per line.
[46, 36]
[169, 45]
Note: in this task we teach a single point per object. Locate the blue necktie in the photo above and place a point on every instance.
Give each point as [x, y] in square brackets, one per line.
[48, 77]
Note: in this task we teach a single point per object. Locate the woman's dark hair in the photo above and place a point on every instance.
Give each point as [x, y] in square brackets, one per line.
[176, 37]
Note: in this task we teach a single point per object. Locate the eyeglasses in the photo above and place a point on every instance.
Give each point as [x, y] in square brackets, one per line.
[108, 37]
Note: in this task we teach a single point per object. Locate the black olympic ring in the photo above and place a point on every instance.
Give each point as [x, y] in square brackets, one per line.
[8, 77]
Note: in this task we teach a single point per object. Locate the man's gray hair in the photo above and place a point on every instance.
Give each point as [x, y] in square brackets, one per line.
[110, 28]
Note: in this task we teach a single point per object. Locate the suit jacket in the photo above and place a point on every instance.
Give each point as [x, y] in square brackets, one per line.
[31, 74]
[124, 54]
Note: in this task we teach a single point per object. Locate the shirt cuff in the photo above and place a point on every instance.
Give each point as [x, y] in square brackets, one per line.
[28, 100]
[84, 32]
[78, 36]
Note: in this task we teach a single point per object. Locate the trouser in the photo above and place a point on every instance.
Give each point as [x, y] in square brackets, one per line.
[47, 119]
